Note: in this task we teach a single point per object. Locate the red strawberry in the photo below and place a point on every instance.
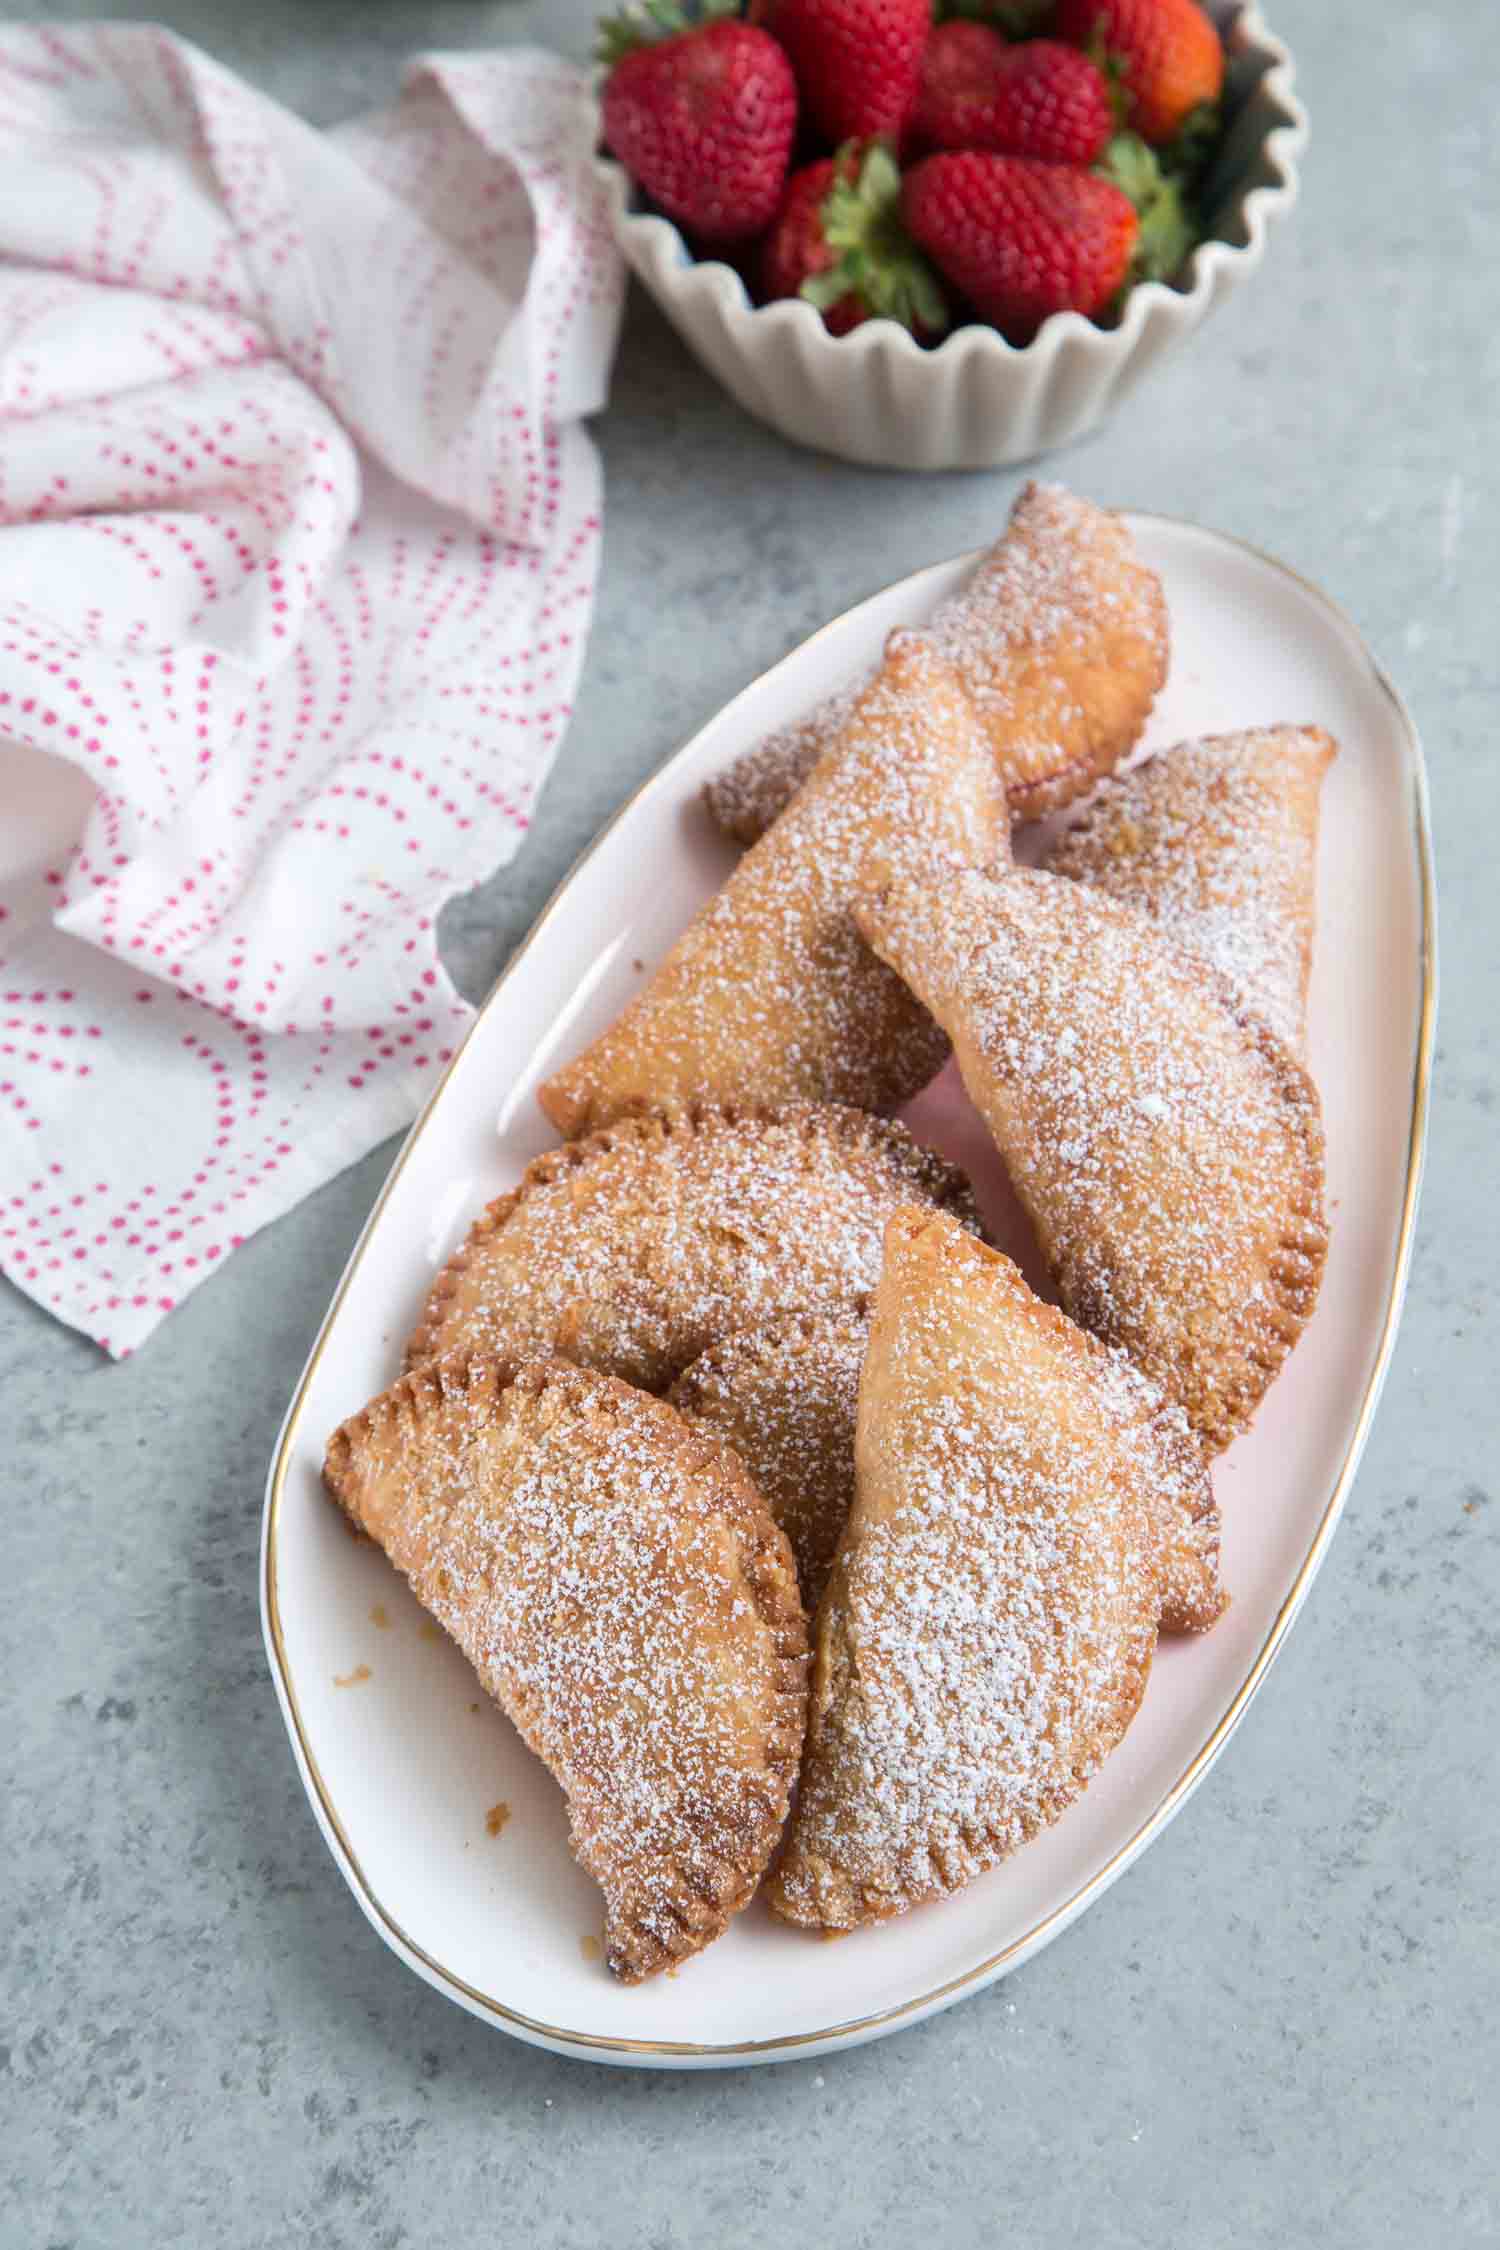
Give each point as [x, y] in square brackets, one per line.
[703, 119]
[1019, 238]
[1038, 99]
[838, 241]
[1167, 53]
[857, 61]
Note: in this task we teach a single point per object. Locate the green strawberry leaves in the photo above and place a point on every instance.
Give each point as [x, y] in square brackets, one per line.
[642, 22]
[1114, 70]
[875, 258]
[1168, 225]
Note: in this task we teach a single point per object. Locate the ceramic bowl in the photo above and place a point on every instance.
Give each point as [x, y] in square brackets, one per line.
[976, 401]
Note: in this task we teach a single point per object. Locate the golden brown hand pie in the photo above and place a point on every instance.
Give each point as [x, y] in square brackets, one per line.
[771, 993]
[784, 1397]
[634, 1250]
[1217, 841]
[988, 1628]
[624, 1595]
[1061, 639]
[1180, 1503]
[1167, 1145]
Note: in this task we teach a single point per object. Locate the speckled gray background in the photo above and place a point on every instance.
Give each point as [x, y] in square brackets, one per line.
[1280, 2028]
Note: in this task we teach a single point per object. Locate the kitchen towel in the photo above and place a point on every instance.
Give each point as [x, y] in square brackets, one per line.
[299, 529]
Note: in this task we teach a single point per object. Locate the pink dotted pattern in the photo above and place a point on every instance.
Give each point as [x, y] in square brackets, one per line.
[299, 531]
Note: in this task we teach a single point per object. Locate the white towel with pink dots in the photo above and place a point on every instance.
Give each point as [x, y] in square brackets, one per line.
[299, 528]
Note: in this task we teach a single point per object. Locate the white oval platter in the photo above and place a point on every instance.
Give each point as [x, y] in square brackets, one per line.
[402, 1757]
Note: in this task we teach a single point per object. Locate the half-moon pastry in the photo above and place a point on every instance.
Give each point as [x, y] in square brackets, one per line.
[1166, 1144]
[623, 1593]
[784, 1396]
[987, 1631]
[1217, 841]
[1180, 1503]
[634, 1250]
[747, 796]
[1061, 639]
[771, 994]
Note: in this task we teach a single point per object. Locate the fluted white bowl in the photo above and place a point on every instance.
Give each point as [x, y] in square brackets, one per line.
[977, 401]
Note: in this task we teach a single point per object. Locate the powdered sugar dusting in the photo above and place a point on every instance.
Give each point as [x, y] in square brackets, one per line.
[770, 992]
[1168, 1151]
[1059, 637]
[1157, 1440]
[620, 1590]
[989, 1624]
[784, 1396]
[1216, 839]
[636, 1249]
[748, 795]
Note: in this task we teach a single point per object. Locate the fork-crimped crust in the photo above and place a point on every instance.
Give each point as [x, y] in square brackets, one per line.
[624, 1594]
[634, 1250]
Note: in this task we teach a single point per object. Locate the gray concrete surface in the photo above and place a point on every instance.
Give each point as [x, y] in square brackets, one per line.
[1281, 2027]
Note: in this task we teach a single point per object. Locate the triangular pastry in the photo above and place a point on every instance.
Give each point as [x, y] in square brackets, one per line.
[784, 1397]
[634, 1250]
[1166, 1145]
[770, 993]
[987, 1631]
[1217, 841]
[623, 1593]
[1061, 639]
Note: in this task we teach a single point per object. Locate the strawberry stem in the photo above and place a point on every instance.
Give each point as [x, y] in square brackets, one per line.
[642, 22]
[875, 258]
[1168, 227]
[1114, 70]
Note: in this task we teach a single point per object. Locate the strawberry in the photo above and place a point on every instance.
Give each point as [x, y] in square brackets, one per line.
[1021, 239]
[838, 241]
[703, 119]
[857, 61]
[1166, 54]
[1038, 99]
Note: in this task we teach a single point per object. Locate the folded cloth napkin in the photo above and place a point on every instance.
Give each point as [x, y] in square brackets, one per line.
[299, 530]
